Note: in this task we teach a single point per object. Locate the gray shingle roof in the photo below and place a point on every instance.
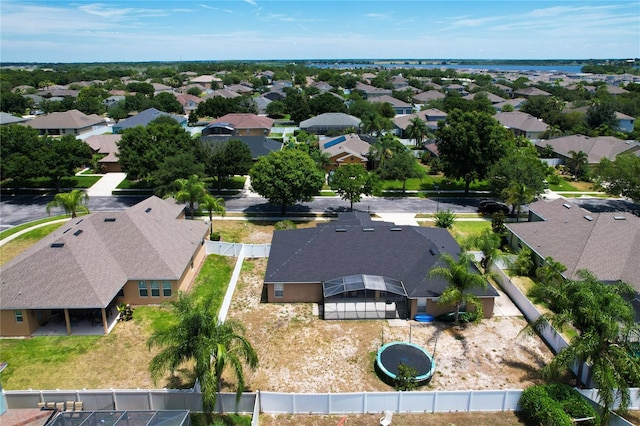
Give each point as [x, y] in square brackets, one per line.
[596, 148]
[608, 247]
[351, 247]
[331, 119]
[72, 119]
[258, 145]
[91, 259]
[144, 118]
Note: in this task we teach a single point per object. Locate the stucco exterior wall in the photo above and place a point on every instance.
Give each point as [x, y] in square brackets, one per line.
[9, 327]
[298, 292]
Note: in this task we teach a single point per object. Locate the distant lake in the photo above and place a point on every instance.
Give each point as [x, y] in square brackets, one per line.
[565, 69]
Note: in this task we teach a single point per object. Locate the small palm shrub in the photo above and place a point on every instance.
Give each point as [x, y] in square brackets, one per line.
[555, 405]
[444, 218]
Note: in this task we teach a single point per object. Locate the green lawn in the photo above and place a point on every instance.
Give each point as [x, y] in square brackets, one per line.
[427, 184]
[8, 232]
[78, 182]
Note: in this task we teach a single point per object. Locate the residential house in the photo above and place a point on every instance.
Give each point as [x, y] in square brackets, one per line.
[258, 145]
[345, 149]
[516, 103]
[371, 92]
[106, 145]
[6, 119]
[607, 244]
[400, 107]
[238, 124]
[522, 124]
[71, 122]
[145, 117]
[331, 122]
[225, 93]
[625, 122]
[430, 116]
[426, 97]
[189, 102]
[399, 82]
[494, 99]
[82, 271]
[457, 88]
[113, 100]
[357, 268]
[529, 92]
[596, 148]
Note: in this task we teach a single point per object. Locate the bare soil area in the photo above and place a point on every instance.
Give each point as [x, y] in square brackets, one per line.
[299, 352]
[435, 419]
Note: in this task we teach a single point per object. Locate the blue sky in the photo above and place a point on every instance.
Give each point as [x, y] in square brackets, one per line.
[81, 31]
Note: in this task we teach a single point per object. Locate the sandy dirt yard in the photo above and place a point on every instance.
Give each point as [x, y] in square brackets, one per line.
[299, 352]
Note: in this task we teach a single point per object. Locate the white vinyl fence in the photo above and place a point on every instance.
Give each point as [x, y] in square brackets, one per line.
[251, 251]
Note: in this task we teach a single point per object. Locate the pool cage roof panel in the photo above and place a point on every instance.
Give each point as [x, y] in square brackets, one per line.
[122, 418]
[362, 282]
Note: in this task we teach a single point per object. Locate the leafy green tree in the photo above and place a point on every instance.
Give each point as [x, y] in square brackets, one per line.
[142, 88]
[90, 99]
[71, 202]
[178, 166]
[599, 114]
[326, 102]
[401, 166]
[286, 177]
[621, 176]
[469, 144]
[224, 159]
[417, 130]
[196, 336]
[352, 181]
[521, 166]
[191, 190]
[297, 106]
[462, 281]
[143, 149]
[13, 103]
[62, 156]
[383, 149]
[524, 263]
[167, 102]
[605, 322]
[212, 205]
[20, 153]
[276, 109]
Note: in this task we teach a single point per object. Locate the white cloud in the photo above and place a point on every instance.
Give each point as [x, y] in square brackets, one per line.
[251, 2]
[216, 8]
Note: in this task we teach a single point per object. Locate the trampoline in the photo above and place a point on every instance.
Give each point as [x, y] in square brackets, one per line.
[391, 355]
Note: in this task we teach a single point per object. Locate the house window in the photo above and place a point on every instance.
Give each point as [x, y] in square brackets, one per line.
[278, 290]
[143, 291]
[19, 317]
[422, 304]
[155, 289]
[166, 288]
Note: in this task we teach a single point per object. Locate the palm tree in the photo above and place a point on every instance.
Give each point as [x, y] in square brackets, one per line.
[417, 130]
[462, 280]
[578, 163]
[518, 194]
[604, 320]
[71, 202]
[191, 191]
[489, 243]
[195, 335]
[212, 204]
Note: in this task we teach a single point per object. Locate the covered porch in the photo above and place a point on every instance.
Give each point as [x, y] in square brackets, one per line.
[77, 322]
[364, 297]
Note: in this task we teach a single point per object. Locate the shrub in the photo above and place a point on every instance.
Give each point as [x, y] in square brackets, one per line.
[284, 224]
[524, 264]
[555, 405]
[445, 218]
[406, 378]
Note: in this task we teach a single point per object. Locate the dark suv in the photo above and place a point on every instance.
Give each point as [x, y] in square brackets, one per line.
[490, 207]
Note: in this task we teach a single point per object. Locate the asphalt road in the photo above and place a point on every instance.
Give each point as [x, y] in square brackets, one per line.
[18, 209]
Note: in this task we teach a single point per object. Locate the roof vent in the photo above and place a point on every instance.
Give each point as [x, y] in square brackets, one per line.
[396, 229]
[57, 245]
[567, 206]
[589, 218]
[78, 222]
[66, 230]
[619, 218]
[341, 229]
[148, 210]
[78, 232]
[433, 251]
[109, 219]
[368, 229]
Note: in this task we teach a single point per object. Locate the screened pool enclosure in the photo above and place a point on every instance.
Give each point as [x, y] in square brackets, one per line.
[364, 297]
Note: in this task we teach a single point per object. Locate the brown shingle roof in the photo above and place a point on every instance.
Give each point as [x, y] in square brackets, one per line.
[73, 119]
[596, 148]
[246, 121]
[91, 259]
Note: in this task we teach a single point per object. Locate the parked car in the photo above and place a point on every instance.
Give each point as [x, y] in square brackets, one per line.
[490, 206]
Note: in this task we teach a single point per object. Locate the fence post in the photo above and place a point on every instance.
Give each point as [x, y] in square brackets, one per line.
[435, 402]
[399, 404]
[364, 403]
[470, 400]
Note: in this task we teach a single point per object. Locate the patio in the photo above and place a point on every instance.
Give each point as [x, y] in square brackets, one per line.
[87, 326]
